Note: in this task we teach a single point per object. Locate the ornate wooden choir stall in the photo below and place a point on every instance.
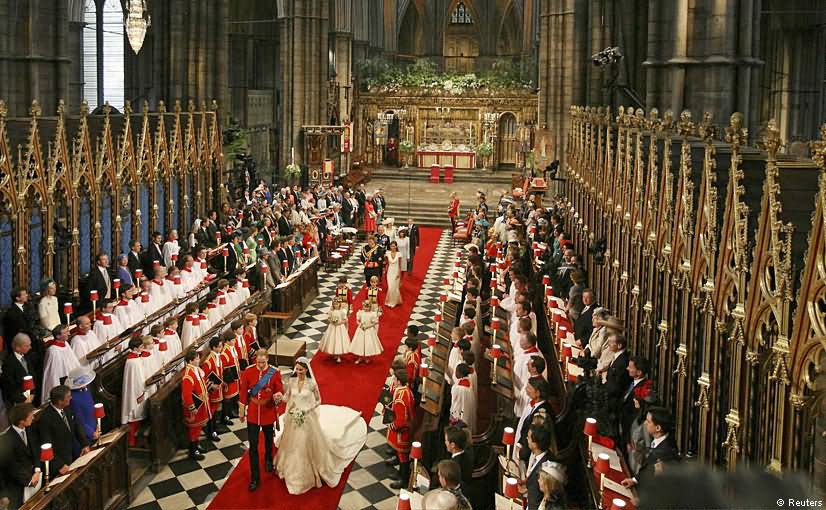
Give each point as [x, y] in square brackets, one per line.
[75, 186]
[714, 255]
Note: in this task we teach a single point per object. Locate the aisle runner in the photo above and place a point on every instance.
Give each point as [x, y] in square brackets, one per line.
[347, 384]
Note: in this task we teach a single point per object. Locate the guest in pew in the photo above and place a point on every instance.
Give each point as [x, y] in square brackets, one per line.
[59, 426]
[133, 396]
[17, 365]
[195, 398]
[457, 440]
[82, 403]
[450, 480]
[596, 341]
[617, 378]
[638, 437]
[552, 480]
[539, 441]
[463, 399]
[663, 449]
[538, 390]
[20, 456]
[584, 324]
[639, 371]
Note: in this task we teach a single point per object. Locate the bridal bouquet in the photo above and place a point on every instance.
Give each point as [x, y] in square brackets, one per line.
[297, 416]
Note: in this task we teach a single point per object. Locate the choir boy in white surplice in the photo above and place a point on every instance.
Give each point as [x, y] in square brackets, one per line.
[463, 399]
[60, 359]
[134, 398]
[170, 334]
[85, 340]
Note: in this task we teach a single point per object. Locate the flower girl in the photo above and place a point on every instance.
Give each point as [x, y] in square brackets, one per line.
[366, 341]
[336, 341]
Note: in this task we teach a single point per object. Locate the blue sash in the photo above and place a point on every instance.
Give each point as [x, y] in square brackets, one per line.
[265, 379]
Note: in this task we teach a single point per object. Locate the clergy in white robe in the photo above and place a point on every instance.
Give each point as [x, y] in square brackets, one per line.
[128, 310]
[170, 334]
[214, 312]
[455, 354]
[160, 292]
[60, 359]
[204, 323]
[521, 370]
[107, 326]
[242, 288]
[175, 282]
[134, 397]
[85, 340]
[190, 276]
[171, 248]
[152, 361]
[463, 399]
[518, 327]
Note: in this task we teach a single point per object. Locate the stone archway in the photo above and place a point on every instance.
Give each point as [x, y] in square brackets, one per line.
[509, 40]
[411, 38]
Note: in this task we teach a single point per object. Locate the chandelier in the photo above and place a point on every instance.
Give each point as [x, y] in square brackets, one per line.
[136, 21]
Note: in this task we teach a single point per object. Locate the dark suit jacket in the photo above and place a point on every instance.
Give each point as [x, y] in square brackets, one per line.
[98, 283]
[153, 253]
[66, 441]
[583, 325]
[203, 238]
[347, 213]
[14, 321]
[18, 462]
[532, 483]
[665, 452]
[465, 461]
[524, 451]
[135, 262]
[284, 228]
[617, 380]
[11, 380]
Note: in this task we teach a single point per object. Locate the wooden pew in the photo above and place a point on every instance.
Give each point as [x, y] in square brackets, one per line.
[102, 484]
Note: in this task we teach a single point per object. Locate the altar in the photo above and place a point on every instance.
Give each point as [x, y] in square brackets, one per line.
[459, 157]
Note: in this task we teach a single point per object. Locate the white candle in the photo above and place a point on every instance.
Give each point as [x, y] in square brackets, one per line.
[292, 155]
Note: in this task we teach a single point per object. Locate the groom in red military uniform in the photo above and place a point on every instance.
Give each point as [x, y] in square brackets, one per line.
[399, 431]
[195, 396]
[260, 393]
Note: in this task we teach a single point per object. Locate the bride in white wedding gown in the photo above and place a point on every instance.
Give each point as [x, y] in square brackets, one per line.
[307, 452]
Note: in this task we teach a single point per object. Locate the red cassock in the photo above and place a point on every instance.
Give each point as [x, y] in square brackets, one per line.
[251, 343]
[261, 409]
[414, 361]
[229, 358]
[399, 432]
[213, 365]
[193, 384]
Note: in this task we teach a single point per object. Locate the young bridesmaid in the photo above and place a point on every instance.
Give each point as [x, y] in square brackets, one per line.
[336, 341]
[366, 341]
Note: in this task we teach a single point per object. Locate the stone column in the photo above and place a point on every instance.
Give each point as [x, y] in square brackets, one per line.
[304, 42]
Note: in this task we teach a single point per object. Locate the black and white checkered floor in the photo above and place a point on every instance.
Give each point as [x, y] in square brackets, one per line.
[185, 484]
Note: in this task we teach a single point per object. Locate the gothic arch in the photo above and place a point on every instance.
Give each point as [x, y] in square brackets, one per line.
[508, 42]
[410, 36]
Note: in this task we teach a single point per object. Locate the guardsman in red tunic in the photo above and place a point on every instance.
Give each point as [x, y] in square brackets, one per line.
[195, 397]
[251, 336]
[413, 358]
[231, 375]
[261, 392]
[399, 432]
[214, 371]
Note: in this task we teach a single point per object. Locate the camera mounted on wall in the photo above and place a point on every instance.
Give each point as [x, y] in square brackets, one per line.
[610, 55]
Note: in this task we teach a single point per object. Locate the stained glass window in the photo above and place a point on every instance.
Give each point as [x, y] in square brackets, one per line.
[461, 15]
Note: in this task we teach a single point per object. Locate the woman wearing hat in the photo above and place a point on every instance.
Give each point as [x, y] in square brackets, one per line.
[82, 403]
[47, 309]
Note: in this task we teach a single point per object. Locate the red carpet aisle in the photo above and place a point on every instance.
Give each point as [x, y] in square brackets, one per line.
[350, 385]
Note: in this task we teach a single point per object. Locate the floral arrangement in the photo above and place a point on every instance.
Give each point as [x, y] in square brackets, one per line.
[298, 416]
[406, 146]
[378, 74]
[484, 149]
[292, 170]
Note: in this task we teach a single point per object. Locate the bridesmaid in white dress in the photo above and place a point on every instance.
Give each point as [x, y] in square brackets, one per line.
[336, 340]
[393, 263]
[366, 341]
[309, 453]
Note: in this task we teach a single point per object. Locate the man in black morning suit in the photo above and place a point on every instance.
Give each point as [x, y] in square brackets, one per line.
[538, 389]
[663, 448]
[539, 442]
[19, 455]
[18, 364]
[134, 257]
[59, 427]
[583, 325]
[14, 320]
[153, 252]
[617, 379]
